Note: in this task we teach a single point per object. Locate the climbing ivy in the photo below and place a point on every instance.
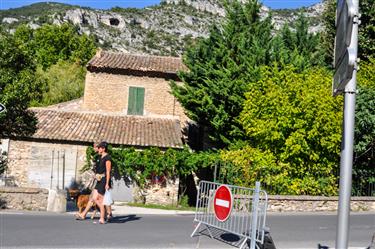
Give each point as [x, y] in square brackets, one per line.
[141, 165]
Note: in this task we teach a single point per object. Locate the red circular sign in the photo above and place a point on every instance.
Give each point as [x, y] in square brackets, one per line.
[223, 203]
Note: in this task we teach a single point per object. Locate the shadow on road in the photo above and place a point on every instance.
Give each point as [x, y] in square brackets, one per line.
[217, 234]
[234, 240]
[124, 218]
[71, 206]
[322, 246]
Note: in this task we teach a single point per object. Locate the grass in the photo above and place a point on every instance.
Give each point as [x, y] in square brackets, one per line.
[164, 207]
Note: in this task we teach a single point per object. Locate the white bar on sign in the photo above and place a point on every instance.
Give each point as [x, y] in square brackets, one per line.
[222, 203]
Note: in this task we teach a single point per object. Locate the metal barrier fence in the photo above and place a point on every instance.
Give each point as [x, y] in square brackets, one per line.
[247, 218]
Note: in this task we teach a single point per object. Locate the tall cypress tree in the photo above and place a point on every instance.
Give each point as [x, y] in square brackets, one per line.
[366, 38]
[220, 69]
[366, 49]
[298, 47]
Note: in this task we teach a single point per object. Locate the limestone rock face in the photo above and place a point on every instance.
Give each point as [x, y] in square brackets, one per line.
[212, 6]
[9, 20]
[113, 20]
[82, 17]
[162, 29]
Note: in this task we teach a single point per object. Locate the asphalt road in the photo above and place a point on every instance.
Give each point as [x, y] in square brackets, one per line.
[47, 230]
[310, 230]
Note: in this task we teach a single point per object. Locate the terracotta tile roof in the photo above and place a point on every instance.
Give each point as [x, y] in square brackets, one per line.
[131, 63]
[118, 130]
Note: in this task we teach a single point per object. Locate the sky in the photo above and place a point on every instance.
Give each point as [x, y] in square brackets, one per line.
[107, 4]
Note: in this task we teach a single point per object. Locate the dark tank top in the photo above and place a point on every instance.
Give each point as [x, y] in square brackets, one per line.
[100, 167]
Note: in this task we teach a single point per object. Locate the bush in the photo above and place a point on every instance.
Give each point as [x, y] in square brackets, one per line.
[293, 119]
[64, 81]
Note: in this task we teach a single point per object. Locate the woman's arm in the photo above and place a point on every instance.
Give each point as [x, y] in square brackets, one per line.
[108, 166]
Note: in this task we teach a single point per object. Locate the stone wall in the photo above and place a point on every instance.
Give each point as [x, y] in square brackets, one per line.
[109, 93]
[316, 203]
[34, 199]
[18, 155]
[44, 165]
[161, 194]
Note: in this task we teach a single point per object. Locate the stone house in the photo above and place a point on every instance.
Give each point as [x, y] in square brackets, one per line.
[133, 85]
[127, 102]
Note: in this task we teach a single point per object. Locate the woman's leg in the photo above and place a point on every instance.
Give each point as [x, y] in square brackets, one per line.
[109, 211]
[99, 203]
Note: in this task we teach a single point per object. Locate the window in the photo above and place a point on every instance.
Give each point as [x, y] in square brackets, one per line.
[136, 100]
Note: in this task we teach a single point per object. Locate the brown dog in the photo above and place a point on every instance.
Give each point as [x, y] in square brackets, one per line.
[82, 200]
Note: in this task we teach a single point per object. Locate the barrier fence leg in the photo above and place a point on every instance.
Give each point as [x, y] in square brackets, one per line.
[196, 229]
[243, 243]
[209, 231]
[254, 219]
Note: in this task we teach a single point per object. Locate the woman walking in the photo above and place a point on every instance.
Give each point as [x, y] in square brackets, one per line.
[103, 182]
[103, 173]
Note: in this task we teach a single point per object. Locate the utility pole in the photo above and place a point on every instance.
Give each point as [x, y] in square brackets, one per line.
[345, 81]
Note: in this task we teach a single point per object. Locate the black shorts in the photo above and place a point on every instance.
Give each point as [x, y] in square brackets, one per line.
[100, 186]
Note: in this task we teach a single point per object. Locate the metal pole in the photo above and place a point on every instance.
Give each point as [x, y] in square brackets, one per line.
[58, 169]
[53, 158]
[254, 218]
[75, 169]
[63, 173]
[346, 162]
[215, 172]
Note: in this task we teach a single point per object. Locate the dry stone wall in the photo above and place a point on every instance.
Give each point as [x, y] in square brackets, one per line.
[34, 199]
[160, 194]
[316, 204]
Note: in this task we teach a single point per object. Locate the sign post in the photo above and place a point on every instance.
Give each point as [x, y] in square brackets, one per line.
[2, 108]
[223, 203]
[344, 81]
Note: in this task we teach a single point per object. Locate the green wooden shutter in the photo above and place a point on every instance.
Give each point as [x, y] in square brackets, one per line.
[136, 100]
[131, 100]
[140, 100]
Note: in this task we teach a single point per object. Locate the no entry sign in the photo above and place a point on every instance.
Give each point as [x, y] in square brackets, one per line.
[223, 203]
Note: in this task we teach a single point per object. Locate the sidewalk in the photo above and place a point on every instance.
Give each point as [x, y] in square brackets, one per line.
[120, 208]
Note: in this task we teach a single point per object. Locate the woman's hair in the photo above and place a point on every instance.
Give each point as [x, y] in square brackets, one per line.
[103, 145]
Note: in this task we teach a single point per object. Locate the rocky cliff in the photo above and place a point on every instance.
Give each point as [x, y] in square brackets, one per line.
[162, 29]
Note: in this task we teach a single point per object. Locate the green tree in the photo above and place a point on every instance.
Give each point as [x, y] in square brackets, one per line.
[364, 124]
[364, 157]
[18, 86]
[60, 54]
[245, 166]
[293, 116]
[299, 48]
[64, 81]
[366, 40]
[220, 68]
[51, 43]
[327, 38]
